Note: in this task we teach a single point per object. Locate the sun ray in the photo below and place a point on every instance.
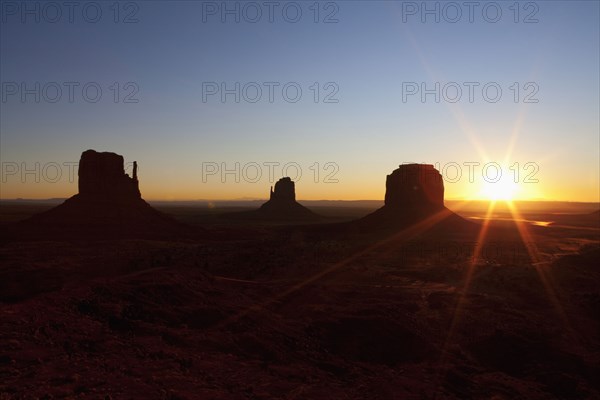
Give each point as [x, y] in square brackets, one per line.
[460, 303]
[516, 131]
[537, 261]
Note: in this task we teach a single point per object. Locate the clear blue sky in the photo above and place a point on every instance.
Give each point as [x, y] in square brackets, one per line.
[372, 49]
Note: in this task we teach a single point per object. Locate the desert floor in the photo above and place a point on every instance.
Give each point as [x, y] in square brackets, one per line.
[268, 311]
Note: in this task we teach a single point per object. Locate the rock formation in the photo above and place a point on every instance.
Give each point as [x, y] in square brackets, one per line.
[414, 187]
[282, 203]
[414, 192]
[282, 206]
[102, 177]
[285, 190]
[108, 205]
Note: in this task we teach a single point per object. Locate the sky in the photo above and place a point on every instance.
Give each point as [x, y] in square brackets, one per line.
[217, 100]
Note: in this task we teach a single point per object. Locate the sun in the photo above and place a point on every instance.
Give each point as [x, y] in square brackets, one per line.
[505, 189]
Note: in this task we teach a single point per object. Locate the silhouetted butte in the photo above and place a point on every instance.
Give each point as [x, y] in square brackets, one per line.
[109, 203]
[282, 206]
[414, 192]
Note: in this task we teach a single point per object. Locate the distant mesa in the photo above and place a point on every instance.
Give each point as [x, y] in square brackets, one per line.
[109, 203]
[282, 203]
[282, 206]
[413, 193]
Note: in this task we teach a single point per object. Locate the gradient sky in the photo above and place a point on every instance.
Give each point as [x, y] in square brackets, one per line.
[373, 48]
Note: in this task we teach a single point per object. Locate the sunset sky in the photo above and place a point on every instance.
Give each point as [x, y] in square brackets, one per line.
[368, 61]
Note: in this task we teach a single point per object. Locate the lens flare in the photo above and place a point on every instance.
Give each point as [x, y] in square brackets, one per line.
[504, 189]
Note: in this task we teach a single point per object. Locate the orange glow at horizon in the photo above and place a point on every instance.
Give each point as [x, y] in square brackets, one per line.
[176, 190]
[158, 183]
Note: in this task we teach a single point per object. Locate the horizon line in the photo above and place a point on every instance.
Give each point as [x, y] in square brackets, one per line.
[308, 200]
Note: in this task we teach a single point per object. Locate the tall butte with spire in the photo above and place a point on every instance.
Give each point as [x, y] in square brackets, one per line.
[109, 203]
[102, 177]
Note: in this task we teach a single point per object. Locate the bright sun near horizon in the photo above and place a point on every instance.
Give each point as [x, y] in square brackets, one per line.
[505, 189]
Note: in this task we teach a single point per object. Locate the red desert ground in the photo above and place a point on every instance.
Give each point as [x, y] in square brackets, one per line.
[105, 296]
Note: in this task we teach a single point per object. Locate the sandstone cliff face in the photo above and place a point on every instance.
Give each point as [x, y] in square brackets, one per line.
[414, 186]
[102, 177]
